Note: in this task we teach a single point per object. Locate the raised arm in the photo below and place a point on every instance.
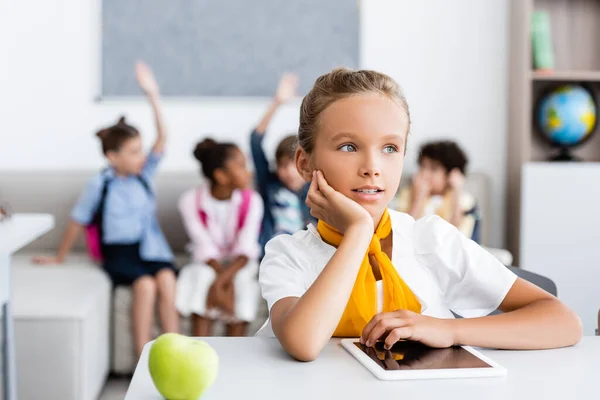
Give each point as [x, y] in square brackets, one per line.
[286, 91]
[148, 84]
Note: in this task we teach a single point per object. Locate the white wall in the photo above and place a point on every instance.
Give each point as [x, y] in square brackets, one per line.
[450, 57]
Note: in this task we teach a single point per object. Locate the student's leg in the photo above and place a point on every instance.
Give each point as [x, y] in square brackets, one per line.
[193, 287]
[237, 329]
[247, 298]
[165, 285]
[201, 326]
[144, 298]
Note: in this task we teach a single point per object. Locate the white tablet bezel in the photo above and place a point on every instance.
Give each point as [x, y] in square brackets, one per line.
[496, 369]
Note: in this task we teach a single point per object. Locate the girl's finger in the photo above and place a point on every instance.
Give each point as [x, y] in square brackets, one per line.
[381, 327]
[396, 334]
[317, 199]
[374, 321]
[313, 202]
[316, 214]
[314, 185]
[324, 187]
[313, 182]
[380, 330]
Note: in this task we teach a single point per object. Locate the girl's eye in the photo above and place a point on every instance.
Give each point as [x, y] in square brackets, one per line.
[349, 148]
[390, 149]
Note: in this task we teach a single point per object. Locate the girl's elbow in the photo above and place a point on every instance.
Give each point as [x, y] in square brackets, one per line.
[300, 347]
[571, 327]
[304, 355]
[576, 331]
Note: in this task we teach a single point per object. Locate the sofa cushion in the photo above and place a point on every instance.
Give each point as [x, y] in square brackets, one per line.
[61, 323]
[55, 291]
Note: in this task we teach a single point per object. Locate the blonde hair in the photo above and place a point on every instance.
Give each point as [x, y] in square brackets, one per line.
[338, 84]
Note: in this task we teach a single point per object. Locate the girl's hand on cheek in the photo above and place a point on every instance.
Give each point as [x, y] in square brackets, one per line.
[334, 208]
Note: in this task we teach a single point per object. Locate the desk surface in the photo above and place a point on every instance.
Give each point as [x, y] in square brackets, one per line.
[258, 368]
[15, 233]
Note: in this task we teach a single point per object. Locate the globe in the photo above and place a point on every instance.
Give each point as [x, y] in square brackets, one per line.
[566, 117]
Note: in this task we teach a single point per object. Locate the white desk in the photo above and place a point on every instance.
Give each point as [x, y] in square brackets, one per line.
[258, 368]
[15, 233]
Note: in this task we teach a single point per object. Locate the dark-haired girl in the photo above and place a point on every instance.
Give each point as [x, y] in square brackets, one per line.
[222, 219]
[121, 203]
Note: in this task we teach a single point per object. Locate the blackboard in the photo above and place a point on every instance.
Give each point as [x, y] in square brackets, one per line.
[225, 47]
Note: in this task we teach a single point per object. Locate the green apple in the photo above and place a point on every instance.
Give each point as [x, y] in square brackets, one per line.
[182, 368]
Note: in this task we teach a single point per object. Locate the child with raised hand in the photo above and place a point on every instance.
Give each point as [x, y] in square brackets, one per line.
[438, 188]
[222, 219]
[283, 192]
[370, 272]
[121, 202]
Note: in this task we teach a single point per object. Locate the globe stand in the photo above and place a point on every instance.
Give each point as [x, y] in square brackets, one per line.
[565, 155]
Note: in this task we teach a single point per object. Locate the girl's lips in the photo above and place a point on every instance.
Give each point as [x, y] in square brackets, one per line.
[367, 197]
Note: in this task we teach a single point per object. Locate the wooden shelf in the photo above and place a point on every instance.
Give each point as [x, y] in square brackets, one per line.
[574, 33]
[566, 76]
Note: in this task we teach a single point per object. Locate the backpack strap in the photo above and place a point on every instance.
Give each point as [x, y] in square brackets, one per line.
[244, 208]
[201, 213]
[145, 184]
[242, 213]
[99, 214]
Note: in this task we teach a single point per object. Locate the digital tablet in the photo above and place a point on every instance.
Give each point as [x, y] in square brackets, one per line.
[413, 360]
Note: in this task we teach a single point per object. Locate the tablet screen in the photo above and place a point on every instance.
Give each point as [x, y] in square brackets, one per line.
[407, 355]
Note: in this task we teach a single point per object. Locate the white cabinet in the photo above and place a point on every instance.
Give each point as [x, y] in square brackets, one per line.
[560, 232]
[15, 233]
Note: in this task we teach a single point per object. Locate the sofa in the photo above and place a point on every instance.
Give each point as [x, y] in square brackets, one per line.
[56, 191]
[61, 323]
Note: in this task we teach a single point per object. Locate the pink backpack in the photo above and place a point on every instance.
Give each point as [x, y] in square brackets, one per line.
[242, 212]
[92, 242]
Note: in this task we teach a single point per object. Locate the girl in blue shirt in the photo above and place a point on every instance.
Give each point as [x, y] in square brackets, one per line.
[120, 200]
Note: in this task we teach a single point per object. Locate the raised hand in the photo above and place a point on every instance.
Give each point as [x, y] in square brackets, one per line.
[288, 87]
[146, 79]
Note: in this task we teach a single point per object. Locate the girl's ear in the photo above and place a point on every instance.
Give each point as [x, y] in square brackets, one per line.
[111, 156]
[221, 177]
[303, 164]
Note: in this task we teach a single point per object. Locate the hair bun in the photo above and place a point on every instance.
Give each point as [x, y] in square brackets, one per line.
[121, 120]
[203, 149]
[102, 133]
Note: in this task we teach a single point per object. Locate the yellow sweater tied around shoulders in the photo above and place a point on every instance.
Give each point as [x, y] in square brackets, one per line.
[362, 304]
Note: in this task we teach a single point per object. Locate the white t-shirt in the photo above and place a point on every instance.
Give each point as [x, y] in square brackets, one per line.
[221, 211]
[443, 268]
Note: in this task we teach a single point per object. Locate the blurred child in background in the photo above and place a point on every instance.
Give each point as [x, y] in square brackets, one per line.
[283, 192]
[121, 203]
[439, 188]
[222, 220]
